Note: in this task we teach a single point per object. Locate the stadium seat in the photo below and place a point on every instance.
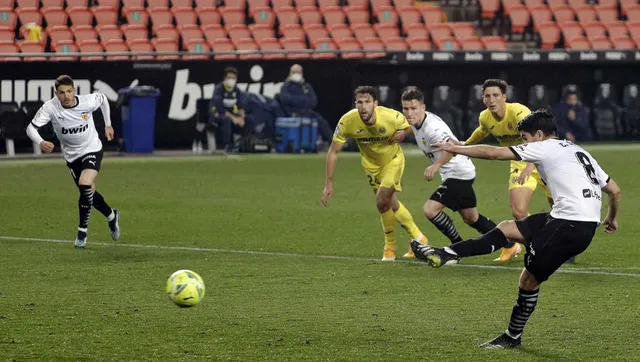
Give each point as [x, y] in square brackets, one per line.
[386, 14]
[328, 3]
[108, 32]
[540, 14]
[395, 44]
[52, 4]
[166, 31]
[105, 16]
[184, 16]
[237, 32]
[576, 3]
[31, 46]
[223, 45]
[431, 15]
[29, 15]
[519, 16]
[494, 42]
[310, 15]
[114, 4]
[248, 44]
[197, 46]
[363, 31]
[287, 15]
[271, 44]
[151, 4]
[408, 16]
[363, 4]
[607, 12]
[402, 3]
[586, 13]
[419, 44]
[447, 43]
[339, 31]
[351, 45]
[293, 44]
[549, 34]
[623, 43]
[58, 33]
[462, 30]
[508, 5]
[377, 4]
[634, 29]
[28, 3]
[136, 16]
[600, 43]
[63, 47]
[570, 29]
[165, 46]
[213, 32]
[439, 31]
[277, 4]
[489, 8]
[181, 3]
[531, 3]
[303, 3]
[208, 16]
[134, 32]
[615, 28]
[140, 45]
[190, 32]
[128, 4]
[417, 30]
[261, 31]
[80, 16]
[358, 15]
[471, 43]
[116, 46]
[232, 16]
[334, 15]
[263, 15]
[556, 3]
[254, 4]
[205, 4]
[594, 29]
[295, 31]
[8, 35]
[387, 30]
[578, 43]
[563, 13]
[8, 19]
[373, 44]
[84, 32]
[160, 16]
[324, 45]
[91, 46]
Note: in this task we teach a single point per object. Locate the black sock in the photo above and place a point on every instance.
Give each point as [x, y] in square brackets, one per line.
[483, 244]
[101, 205]
[84, 205]
[522, 311]
[443, 222]
[484, 225]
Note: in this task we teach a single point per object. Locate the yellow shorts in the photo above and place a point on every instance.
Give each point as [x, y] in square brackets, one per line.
[389, 176]
[533, 181]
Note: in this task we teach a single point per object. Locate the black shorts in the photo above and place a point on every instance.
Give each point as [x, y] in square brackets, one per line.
[551, 242]
[455, 194]
[90, 161]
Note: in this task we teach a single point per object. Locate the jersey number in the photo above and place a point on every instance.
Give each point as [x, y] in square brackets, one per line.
[430, 155]
[588, 167]
[373, 181]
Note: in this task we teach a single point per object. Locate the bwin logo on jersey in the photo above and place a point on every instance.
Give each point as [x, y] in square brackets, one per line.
[75, 130]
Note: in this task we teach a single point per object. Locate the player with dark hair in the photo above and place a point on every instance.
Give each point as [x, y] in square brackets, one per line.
[377, 131]
[72, 120]
[500, 119]
[576, 182]
[457, 172]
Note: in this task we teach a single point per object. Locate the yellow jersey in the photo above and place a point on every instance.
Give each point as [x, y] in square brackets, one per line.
[373, 141]
[505, 130]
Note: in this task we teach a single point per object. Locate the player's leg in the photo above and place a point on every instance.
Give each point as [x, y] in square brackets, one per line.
[476, 220]
[433, 211]
[85, 202]
[384, 195]
[112, 215]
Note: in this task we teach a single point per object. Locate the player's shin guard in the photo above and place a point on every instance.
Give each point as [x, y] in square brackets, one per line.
[483, 244]
[523, 309]
[483, 224]
[406, 221]
[389, 228]
[101, 205]
[84, 205]
[443, 222]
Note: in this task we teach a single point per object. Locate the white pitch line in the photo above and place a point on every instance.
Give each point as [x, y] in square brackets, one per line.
[589, 271]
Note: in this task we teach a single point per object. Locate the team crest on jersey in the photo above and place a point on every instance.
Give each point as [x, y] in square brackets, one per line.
[85, 116]
[382, 130]
[510, 126]
[424, 142]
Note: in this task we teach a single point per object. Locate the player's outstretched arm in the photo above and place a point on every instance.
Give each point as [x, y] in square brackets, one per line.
[332, 161]
[106, 114]
[477, 136]
[480, 151]
[611, 221]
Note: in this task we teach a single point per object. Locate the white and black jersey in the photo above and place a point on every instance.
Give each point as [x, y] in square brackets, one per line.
[573, 176]
[74, 126]
[434, 130]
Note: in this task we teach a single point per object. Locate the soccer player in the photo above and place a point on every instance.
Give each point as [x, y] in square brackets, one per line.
[457, 172]
[377, 131]
[500, 119]
[72, 119]
[576, 182]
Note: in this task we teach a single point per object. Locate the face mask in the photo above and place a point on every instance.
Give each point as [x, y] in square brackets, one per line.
[230, 83]
[296, 77]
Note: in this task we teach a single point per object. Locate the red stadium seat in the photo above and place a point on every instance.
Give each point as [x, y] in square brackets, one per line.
[616, 28]
[357, 16]
[31, 46]
[165, 46]
[462, 30]
[84, 32]
[489, 8]
[386, 14]
[277, 4]
[8, 19]
[295, 31]
[8, 4]
[519, 19]
[594, 29]
[9, 47]
[556, 3]
[532, 3]
[29, 15]
[105, 16]
[151, 4]
[339, 31]
[63, 47]
[472, 43]
[315, 32]
[601, 43]
[128, 4]
[419, 44]
[334, 15]
[213, 32]
[208, 16]
[114, 4]
[263, 15]
[254, 4]
[328, 3]
[136, 16]
[261, 31]
[431, 15]
[287, 15]
[189, 33]
[80, 16]
[363, 31]
[493, 42]
[109, 32]
[417, 31]
[586, 13]
[134, 32]
[181, 3]
[448, 43]
[350, 49]
[223, 46]
[199, 47]
[373, 44]
[578, 43]
[549, 34]
[402, 3]
[232, 16]
[408, 16]
[324, 45]
[141, 45]
[291, 45]
[52, 4]
[439, 31]
[116, 46]
[387, 30]
[91, 46]
[395, 44]
[576, 3]
[237, 32]
[184, 16]
[28, 3]
[563, 13]
[58, 33]
[377, 4]
[248, 44]
[161, 16]
[303, 3]
[205, 4]
[166, 31]
[9, 35]
[607, 12]
[623, 43]
[363, 4]
[540, 14]
[271, 45]
[570, 29]
[310, 15]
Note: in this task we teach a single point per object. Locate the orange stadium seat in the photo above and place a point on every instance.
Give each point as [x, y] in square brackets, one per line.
[431, 15]
[601, 43]
[141, 45]
[402, 3]
[310, 15]
[80, 16]
[324, 45]
[362, 31]
[63, 47]
[358, 16]
[132, 4]
[586, 13]
[8, 35]
[261, 31]
[31, 46]
[205, 4]
[181, 3]
[531, 3]
[114, 4]
[134, 32]
[234, 4]
[578, 43]
[277, 4]
[615, 28]
[507, 5]
[10, 4]
[607, 12]
[184, 16]
[52, 4]
[540, 14]
[576, 3]
[157, 4]
[448, 43]
[213, 32]
[109, 32]
[190, 32]
[160, 16]
[221, 46]
[395, 44]
[594, 29]
[315, 32]
[409, 16]
[328, 3]
[248, 44]
[253, 4]
[494, 42]
[291, 45]
[549, 34]
[91, 46]
[287, 15]
[8, 46]
[165, 46]
[373, 44]
[351, 45]
[417, 30]
[386, 14]
[419, 44]
[116, 46]
[339, 31]
[634, 29]
[55, 16]
[563, 13]
[387, 30]
[105, 16]
[439, 31]
[8, 19]
[462, 30]
[556, 3]
[377, 4]
[472, 43]
[623, 43]
[303, 3]
[232, 16]
[208, 16]
[197, 46]
[271, 44]
[489, 8]
[136, 16]
[334, 15]
[519, 16]
[58, 33]
[84, 32]
[263, 15]
[363, 4]
[295, 31]
[237, 32]
[570, 29]
[28, 3]
[29, 15]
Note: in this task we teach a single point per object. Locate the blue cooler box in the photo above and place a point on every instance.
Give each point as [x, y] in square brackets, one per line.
[296, 135]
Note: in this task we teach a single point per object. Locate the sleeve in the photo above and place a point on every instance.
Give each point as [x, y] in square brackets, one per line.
[603, 177]
[529, 152]
[99, 100]
[401, 121]
[42, 117]
[340, 134]
[439, 132]
[478, 135]
[521, 112]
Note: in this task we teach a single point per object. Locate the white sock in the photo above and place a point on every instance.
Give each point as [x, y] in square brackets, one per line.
[512, 336]
[449, 250]
[111, 216]
[84, 230]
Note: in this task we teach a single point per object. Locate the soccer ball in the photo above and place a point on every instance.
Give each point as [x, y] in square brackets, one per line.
[185, 288]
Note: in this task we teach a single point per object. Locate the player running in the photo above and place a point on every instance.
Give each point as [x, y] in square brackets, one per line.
[72, 119]
[576, 182]
[500, 119]
[377, 131]
[457, 172]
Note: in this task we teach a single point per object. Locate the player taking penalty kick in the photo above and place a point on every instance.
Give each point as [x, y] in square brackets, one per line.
[377, 131]
[500, 119]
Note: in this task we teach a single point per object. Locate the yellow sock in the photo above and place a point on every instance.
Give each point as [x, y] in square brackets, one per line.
[404, 218]
[389, 227]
